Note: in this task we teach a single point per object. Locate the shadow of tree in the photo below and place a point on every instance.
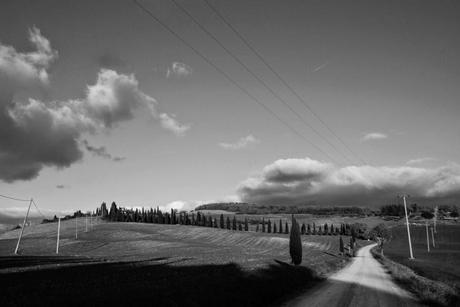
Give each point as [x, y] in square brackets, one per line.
[143, 283]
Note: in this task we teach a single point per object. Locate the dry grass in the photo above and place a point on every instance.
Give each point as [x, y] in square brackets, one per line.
[431, 292]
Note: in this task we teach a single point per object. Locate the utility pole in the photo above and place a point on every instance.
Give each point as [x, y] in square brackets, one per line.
[432, 237]
[427, 237]
[22, 229]
[86, 222]
[76, 227]
[58, 232]
[407, 224]
[435, 217]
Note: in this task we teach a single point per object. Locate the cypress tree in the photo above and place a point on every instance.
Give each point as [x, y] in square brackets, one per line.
[308, 229]
[104, 211]
[246, 225]
[352, 247]
[281, 227]
[257, 227]
[314, 229]
[222, 221]
[295, 243]
[274, 228]
[326, 229]
[113, 212]
[269, 226]
[240, 226]
[341, 249]
[228, 223]
[320, 231]
[263, 225]
[303, 229]
[286, 228]
[234, 223]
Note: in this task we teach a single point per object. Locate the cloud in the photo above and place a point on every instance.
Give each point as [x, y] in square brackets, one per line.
[374, 136]
[179, 70]
[20, 212]
[241, 143]
[170, 123]
[307, 181]
[60, 186]
[420, 160]
[101, 152]
[36, 134]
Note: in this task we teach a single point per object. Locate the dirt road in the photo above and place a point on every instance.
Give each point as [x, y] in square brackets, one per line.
[363, 283]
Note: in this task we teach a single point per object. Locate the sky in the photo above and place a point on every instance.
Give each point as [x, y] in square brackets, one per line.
[98, 102]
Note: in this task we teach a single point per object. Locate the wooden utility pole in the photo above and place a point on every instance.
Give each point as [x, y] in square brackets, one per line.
[86, 223]
[432, 237]
[76, 227]
[427, 238]
[407, 225]
[23, 226]
[435, 217]
[58, 233]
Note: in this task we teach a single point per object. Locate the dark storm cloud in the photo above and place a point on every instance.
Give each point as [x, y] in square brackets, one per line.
[101, 152]
[303, 181]
[36, 134]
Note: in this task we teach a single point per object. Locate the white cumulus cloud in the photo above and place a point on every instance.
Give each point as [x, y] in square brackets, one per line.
[36, 134]
[179, 70]
[374, 136]
[241, 143]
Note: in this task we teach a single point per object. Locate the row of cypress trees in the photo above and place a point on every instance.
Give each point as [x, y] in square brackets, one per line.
[305, 229]
[157, 216]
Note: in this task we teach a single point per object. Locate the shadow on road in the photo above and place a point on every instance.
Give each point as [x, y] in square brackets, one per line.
[144, 283]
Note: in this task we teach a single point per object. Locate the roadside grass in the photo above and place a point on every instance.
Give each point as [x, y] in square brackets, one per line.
[433, 293]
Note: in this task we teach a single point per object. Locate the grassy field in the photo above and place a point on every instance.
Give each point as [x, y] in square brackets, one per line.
[442, 263]
[166, 264]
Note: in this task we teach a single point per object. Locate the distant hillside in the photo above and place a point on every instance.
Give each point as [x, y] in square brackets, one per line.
[247, 208]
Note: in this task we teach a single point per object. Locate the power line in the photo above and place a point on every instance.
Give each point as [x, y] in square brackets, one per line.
[14, 198]
[228, 77]
[285, 83]
[36, 206]
[258, 78]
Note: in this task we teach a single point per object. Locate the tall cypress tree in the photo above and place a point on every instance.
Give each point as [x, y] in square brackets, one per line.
[229, 226]
[274, 228]
[234, 223]
[286, 228]
[246, 225]
[281, 227]
[308, 229]
[269, 226]
[263, 225]
[113, 212]
[303, 230]
[222, 221]
[295, 243]
[341, 249]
